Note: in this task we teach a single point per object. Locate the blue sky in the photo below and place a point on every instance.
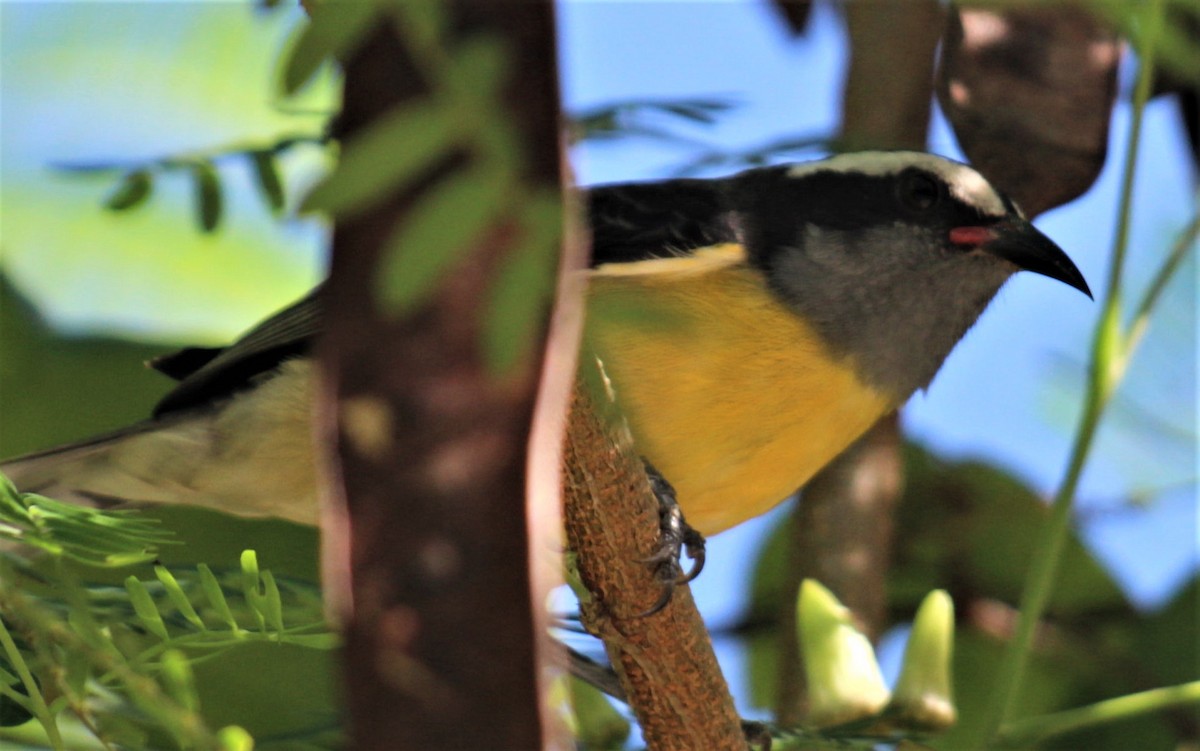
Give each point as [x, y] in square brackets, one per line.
[123, 81]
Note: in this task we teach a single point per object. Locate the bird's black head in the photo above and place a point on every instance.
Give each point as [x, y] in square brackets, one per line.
[891, 256]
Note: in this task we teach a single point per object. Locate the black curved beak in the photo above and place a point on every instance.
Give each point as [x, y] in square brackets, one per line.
[1016, 240]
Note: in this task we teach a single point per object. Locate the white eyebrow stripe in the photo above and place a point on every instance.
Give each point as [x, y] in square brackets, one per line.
[964, 182]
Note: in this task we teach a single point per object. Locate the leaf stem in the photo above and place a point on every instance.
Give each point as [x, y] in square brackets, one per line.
[1107, 360]
[1185, 243]
[36, 701]
[1037, 729]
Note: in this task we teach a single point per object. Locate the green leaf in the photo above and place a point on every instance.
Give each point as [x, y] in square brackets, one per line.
[423, 24]
[132, 191]
[216, 598]
[523, 286]
[385, 156]
[335, 30]
[178, 597]
[208, 195]
[314, 641]
[266, 172]
[144, 607]
[92, 536]
[598, 724]
[272, 602]
[178, 679]
[121, 731]
[437, 233]
[477, 69]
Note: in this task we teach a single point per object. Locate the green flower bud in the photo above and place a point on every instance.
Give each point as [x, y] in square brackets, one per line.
[924, 696]
[844, 682]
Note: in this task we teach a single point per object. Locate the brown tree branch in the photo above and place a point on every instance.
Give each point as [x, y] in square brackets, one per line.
[430, 552]
[665, 661]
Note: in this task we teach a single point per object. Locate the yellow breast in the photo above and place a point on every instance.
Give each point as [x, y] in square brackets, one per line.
[732, 397]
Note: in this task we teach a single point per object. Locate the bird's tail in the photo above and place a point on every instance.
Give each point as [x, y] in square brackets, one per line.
[124, 466]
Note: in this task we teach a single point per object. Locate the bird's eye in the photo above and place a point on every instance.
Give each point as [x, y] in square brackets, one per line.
[919, 191]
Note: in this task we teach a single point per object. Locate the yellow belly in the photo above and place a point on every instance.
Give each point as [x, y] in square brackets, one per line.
[732, 398]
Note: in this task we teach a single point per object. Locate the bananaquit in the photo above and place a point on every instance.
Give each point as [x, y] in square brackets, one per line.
[778, 314]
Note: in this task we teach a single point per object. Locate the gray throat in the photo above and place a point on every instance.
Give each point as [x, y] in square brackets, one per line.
[897, 315]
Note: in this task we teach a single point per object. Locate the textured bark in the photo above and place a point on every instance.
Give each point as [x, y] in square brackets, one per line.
[842, 529]
[429, 555]
[665, 661]
[1029, 92]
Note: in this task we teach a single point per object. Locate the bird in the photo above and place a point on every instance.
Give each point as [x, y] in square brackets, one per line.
[752, 326]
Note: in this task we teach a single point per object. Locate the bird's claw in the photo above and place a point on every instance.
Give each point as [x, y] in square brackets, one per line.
[676, 536]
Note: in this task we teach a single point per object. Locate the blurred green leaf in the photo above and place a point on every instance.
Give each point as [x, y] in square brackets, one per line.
[272, 602]
[1048, 686]
[133, 189]
[388, 154]
[266, 173]
[280, 693]
[55, 388]
[1165, 641]
[424, 24]
[335, 30]
[178, 679]
[599, 725]
[976, 525]
[144, 607]
[522, 290]
[762, 668]
[635, 118]
[208, 195]
[477, 68]
[437, 233]
[92, 536]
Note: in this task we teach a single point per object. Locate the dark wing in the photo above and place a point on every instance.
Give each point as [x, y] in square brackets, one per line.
[204, 374]
[630, 222]
[640, 221]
